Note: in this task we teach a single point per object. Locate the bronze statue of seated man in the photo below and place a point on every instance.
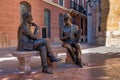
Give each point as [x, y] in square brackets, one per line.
[28, 41]
[70, 36]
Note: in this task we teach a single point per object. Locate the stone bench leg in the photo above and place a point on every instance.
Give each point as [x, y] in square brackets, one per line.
[24, 64]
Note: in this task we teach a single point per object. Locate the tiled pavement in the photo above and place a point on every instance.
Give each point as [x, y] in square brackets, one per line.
[101, 63]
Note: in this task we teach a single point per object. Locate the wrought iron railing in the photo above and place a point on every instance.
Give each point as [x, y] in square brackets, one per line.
[72, 5]
[75, 6]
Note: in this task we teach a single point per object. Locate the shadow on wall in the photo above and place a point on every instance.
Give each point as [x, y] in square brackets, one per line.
[105, 9]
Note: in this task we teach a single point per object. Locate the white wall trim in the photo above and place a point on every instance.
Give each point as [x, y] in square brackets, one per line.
[57, 5]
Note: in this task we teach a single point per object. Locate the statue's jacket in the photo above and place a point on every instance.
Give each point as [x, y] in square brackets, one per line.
[72, 32]
[26, 37]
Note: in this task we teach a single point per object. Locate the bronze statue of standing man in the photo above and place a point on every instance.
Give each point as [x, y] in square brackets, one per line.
[28, 41]
[70, 35]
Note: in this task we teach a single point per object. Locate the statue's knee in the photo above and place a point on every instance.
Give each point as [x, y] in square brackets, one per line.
[78, 45]
[46, 41]
[42, 48]
[68, 47]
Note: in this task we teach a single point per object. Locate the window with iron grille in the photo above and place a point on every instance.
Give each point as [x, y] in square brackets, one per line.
[61, 2]
[44, 32]
[72, 4]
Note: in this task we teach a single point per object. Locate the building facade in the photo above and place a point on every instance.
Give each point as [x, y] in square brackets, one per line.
[110, 22]
[94, 20]
[47, 14]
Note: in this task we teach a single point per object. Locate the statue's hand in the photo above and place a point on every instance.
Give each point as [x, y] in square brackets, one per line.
[68, 36]
[33, 24]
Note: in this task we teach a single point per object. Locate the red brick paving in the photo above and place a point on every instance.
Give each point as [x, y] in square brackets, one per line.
[101, 67]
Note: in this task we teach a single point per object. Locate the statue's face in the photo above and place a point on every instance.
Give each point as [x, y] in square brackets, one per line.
[67, 21]
[29, 19]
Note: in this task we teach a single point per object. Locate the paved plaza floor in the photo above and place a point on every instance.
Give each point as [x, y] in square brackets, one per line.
[101, 63]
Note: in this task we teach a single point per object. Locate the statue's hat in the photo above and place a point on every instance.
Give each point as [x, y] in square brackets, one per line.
[67, 16]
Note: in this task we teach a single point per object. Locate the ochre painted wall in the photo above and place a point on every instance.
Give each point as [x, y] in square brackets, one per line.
[110, 22]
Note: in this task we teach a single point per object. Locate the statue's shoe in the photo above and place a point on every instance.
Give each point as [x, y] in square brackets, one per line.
[55, 59]
[79, 64]
[47, 71]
